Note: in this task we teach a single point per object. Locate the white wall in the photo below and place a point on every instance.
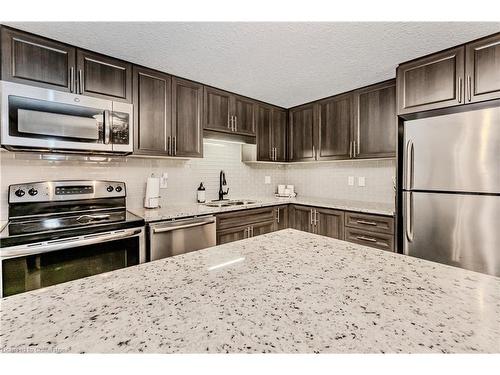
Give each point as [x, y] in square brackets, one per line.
[322, 180]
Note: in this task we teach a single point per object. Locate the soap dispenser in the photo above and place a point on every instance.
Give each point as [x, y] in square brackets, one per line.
[201, 193]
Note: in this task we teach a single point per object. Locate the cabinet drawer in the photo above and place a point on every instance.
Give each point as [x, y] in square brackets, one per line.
[244, 217]
[378, 240]
[373, 223]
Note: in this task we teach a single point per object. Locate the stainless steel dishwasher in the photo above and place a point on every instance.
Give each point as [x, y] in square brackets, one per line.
[169, 238]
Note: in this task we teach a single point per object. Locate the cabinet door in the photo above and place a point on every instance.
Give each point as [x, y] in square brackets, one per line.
[302, 146]
[103, 76]
[301, 218]
[244, 112]
[263, 136]
[231, 235]
[281, 217]
[37, 61]
[187, 132]
[152, 112]
[432, 82]
[279, 131]
[263, 228]
[375, 130]
[334, 130]
[329, 223]
[483, 69]
[216, 107]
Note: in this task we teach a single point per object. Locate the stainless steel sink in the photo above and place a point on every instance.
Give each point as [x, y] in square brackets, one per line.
[229, 203]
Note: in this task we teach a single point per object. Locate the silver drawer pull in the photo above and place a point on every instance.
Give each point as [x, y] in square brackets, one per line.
[363, 238]
[366, 222]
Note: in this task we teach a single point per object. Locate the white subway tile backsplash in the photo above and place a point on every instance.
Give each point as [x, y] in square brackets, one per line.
[322, 180]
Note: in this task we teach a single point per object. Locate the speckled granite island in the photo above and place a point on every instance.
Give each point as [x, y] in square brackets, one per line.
[284, 292]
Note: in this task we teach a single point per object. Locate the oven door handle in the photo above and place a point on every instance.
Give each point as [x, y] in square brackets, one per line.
[45, 247]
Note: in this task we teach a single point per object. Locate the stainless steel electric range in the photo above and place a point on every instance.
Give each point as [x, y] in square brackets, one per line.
[64, 230]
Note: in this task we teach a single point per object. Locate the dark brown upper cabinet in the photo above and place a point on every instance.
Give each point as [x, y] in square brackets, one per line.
[152, 112]
[431, 82]
[482, 69]
[271, 133]
[229, 113]
[37, 61]
[376, 121]
[187, 105]
[103, 77]
[301, 138]
[335, 122]
[46, 63]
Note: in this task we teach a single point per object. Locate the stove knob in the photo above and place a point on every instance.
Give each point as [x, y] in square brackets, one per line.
[19, 192]
[32, 192]
[109, 189]
[118, 189]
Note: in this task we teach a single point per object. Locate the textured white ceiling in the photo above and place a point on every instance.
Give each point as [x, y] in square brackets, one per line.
[281, 63]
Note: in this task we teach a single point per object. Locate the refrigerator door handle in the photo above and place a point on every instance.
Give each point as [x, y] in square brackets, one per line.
[409, 165]
[409, 216]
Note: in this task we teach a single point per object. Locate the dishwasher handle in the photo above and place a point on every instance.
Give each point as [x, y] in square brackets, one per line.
[175, 226]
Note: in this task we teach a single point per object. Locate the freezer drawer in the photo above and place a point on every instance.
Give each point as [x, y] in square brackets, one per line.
[458, 152]
[181, 236]
[456, 229]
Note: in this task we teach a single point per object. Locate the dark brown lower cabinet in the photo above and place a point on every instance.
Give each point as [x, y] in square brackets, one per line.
[370, 230]
[381, 241]
[234, 226]
[281, 217]
[301, 218]
[328, 222]
[231, 235]
[262, 228]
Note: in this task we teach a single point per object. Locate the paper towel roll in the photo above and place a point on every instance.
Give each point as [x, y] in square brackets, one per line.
[152, 198]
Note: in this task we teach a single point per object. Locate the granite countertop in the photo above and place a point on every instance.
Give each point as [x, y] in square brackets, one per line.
[194, 209]
[283, 292]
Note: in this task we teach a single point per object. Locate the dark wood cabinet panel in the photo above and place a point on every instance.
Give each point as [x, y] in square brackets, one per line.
[152, 112]
[244, 217]
[103, 76]
[263, 228]
[483, 69]
[244, 112]
[279, 132]
[231, 235]
[216, 107]
[334, 128]
[282, 217]
[302, 123]
[301, 218]
[376, 121]
[432, 82]
[187, 106]
[370, 222]
[330, 223]
[264, 133]
[378, 240]
[37, 61]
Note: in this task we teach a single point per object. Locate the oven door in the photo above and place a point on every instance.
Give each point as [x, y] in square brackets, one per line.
[43, 119]
[34, 266]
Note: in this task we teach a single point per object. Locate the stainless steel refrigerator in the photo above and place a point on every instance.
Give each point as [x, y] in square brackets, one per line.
[451, 189]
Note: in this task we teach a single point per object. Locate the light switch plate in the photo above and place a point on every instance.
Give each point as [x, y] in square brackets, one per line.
[361, 181]
[350, 180]
[267, 180]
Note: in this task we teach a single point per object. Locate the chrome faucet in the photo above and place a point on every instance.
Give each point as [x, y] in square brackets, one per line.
[222, 182]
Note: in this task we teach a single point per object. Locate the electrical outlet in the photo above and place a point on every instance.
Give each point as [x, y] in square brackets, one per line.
[350, 180]
[267, 180]
[361, 181]
[164, 180]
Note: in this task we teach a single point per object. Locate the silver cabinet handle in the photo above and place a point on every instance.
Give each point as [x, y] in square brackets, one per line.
[460, 89]
[174, 145]
[252, 230]
[278, 215]
[350, 149]
[469, 87]
[366, 222]
[363, 238]
[174, 226]
[107, 126]
[67, 243]
[230, 122]
[236, 129]
[72, 79]
[311, 216]
[169, 146]
[80, 79]
[316, 217]
[409, 164]
[409, 217]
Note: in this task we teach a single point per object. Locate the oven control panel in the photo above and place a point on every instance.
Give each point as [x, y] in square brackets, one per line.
[65, 190]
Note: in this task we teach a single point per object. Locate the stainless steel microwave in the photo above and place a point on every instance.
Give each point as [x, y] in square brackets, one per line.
[40, 119]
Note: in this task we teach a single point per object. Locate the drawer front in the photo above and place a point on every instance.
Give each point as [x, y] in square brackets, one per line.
[380, 241]
[372, 223]
[244, 217]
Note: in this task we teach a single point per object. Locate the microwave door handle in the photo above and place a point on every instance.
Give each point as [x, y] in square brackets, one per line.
[107, 126]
